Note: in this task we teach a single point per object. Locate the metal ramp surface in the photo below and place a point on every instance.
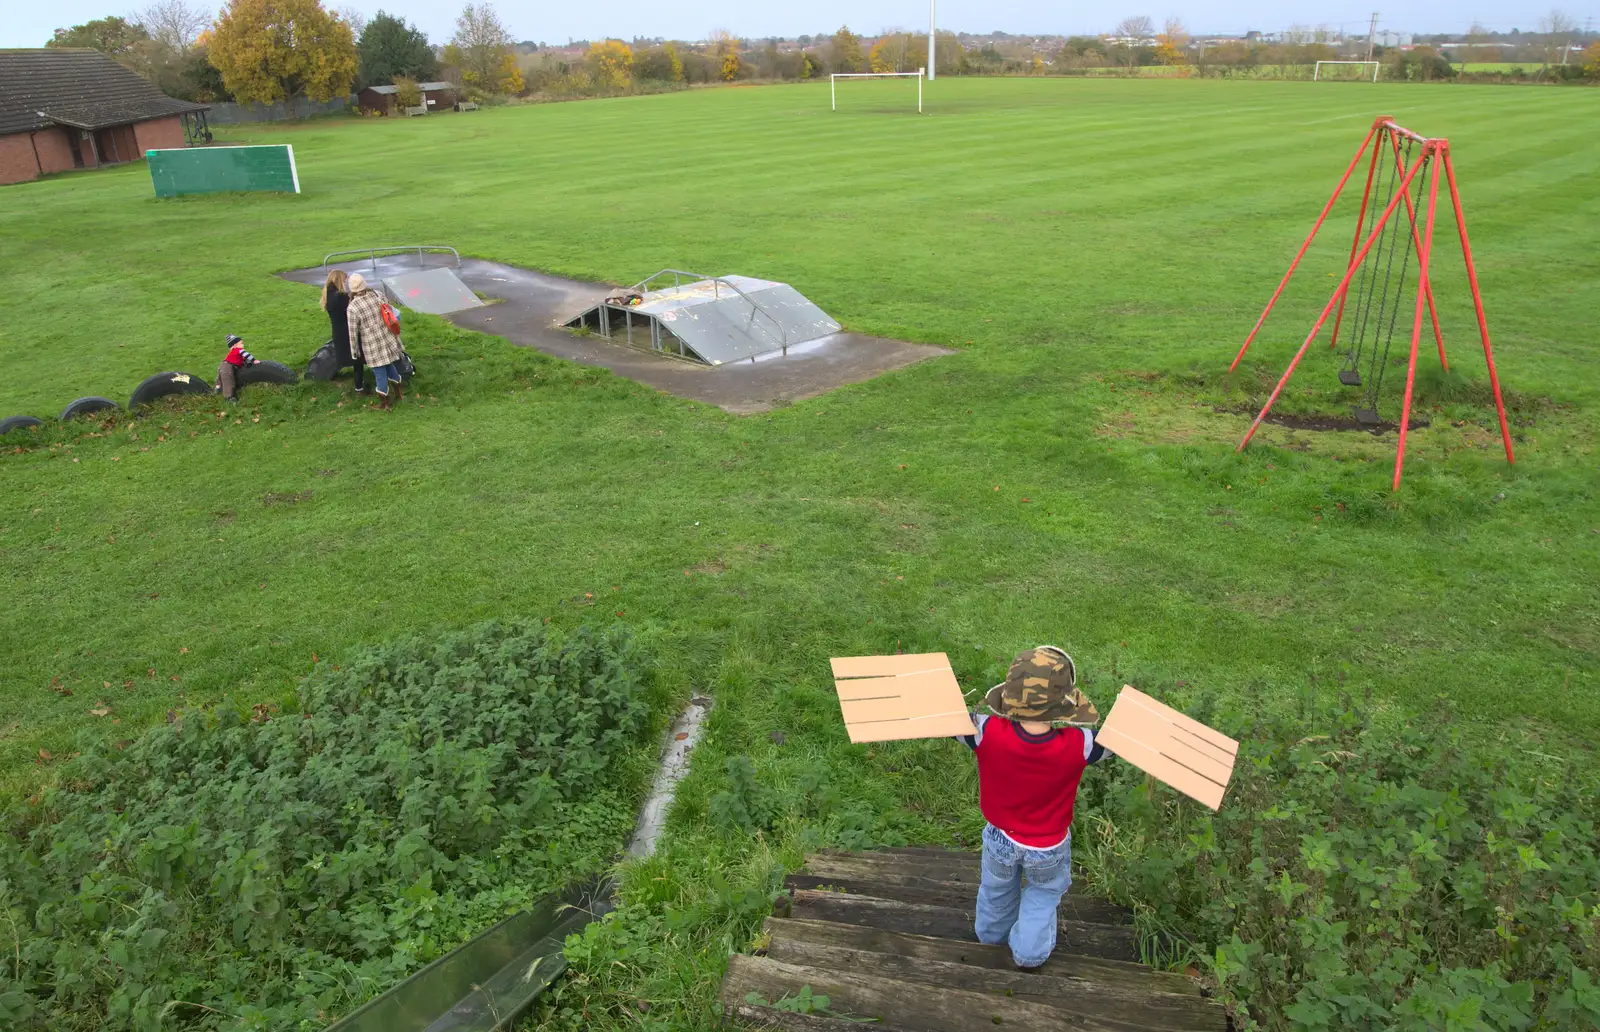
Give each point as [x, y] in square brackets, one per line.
[434, 291]
[712, 320]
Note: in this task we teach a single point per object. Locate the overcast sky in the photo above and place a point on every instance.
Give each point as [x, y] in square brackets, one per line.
[29, 24]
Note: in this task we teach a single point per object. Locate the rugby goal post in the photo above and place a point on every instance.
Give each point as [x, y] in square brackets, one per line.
[833, 82]
[1316, 74]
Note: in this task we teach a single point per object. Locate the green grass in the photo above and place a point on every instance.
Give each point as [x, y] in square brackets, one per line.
[1097, 249]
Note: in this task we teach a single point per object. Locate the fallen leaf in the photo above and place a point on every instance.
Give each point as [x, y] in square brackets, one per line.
[1027, 500]
[101, 710]
[44, 754]
[62, 691]
[183, 650]
[997, 487]
[681, 735]
[619, 612]
[106, 683]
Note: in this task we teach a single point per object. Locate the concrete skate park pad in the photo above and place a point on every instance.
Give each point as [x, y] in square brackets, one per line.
[533, 305]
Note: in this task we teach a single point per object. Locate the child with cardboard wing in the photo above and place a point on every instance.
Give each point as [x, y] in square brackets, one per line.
[1028, 774]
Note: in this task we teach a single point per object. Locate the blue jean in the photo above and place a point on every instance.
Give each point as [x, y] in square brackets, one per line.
[1021, 910]
[384, 373]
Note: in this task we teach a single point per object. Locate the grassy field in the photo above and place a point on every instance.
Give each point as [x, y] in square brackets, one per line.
[1097, 249]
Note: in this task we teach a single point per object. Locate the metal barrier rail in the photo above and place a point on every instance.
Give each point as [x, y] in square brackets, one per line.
[372, 253]
[643, 287]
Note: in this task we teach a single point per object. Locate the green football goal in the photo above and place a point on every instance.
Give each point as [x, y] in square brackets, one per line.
[195, 170]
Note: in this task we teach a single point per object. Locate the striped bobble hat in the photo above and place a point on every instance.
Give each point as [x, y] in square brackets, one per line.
[233, 338]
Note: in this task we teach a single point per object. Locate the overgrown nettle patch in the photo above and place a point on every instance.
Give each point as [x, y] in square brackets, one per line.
[250, 868]
[1369, 873]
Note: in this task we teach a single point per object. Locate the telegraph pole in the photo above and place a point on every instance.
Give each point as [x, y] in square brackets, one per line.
[931, 63]
[1372, 34]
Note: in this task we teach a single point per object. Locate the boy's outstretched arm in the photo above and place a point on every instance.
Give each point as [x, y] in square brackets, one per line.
[971, 741]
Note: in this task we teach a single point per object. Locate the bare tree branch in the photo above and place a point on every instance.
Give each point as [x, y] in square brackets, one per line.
[175, 24]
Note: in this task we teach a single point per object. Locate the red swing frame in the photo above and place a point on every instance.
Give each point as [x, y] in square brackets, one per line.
[1385, 131]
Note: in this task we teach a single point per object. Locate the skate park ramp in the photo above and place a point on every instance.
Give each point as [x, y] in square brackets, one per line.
[712, 320]
[434, 291]
[532, 309]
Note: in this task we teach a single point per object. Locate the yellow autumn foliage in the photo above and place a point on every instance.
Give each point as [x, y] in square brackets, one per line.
[611, 63]
[281, 50]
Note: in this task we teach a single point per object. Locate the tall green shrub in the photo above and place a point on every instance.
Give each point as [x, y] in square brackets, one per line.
[1366, 876]
[254, 869]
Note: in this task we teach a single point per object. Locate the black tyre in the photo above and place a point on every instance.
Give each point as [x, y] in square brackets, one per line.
[266, 372]
[162, 385]
[11, 423]
[84, 406]
[324, 365]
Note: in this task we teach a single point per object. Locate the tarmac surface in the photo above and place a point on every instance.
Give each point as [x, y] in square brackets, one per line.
[533, 306]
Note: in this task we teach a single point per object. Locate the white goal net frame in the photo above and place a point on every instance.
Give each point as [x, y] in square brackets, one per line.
[1316, 74]
[833, 82]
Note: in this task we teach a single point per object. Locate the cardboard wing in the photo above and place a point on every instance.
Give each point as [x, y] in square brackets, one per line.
[888, 698]
[1169, 746]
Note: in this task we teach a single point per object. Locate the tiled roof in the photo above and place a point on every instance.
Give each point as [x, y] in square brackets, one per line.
[84, 89]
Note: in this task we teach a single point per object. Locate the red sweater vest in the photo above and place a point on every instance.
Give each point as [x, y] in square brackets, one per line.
[1026, 788]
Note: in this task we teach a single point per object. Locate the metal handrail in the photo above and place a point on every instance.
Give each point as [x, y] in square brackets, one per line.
[372, 253]
[643, 286]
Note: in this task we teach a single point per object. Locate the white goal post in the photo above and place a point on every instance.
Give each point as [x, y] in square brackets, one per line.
[833, 82]
[1317, 72]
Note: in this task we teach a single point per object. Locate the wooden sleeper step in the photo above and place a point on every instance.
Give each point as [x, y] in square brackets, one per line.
[1115, 973]
[1114, 942]
[758, 1017]
[914, 889]
[911, 1006]
[1065, 989]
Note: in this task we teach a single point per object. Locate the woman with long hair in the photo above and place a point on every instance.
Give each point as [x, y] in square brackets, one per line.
[336, 302]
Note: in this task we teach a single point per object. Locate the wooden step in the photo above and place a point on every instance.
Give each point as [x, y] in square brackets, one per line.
[941, 865]
[756, 1016]
[910, 888]
[1064, 988]
[1116, 973]
[926, 1008]
[1114, 942]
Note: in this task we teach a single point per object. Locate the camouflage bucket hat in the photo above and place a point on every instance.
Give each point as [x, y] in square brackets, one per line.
[1042, 685]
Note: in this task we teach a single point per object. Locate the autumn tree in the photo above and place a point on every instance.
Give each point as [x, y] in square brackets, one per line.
[1591, 61]
[1137, 29]
[390, 48]
[173, 24]
[281, 50]
[659, 64]
[355, 18]
[846, 55]
[1558, 27]
[113, 35]
[484, 52]
[407, 92]
[1173, 43]
[726, 49]
[610, 63]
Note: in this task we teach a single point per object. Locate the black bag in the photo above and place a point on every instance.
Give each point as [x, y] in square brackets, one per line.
[408, 368]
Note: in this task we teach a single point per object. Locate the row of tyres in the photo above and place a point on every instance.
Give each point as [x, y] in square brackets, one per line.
[154, 388]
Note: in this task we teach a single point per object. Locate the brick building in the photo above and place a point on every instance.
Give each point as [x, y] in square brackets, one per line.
[62, 109]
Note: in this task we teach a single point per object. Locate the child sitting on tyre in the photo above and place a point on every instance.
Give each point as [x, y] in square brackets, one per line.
[236, 359]
[1029, 767]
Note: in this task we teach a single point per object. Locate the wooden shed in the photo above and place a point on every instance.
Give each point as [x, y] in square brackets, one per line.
[436, 96]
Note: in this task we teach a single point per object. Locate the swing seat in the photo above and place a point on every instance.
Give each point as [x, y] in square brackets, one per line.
[1366, 416]
[1350, 377]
